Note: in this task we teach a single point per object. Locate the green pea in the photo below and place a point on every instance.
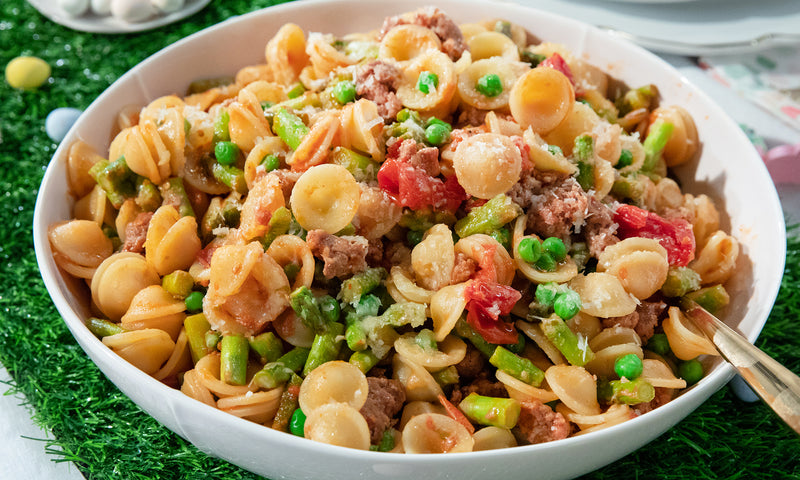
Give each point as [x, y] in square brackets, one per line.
[194, 301]
[555, 150]
[625, 158]
[434, 120]
[271, 162]
[490, 85]
[297, 423]
[404, 115]
[691, 371]
[427, 81]
[296, 90]
[567, 304]
[659, 344]
[628, 366]
[437, 134]
[226, 152]
[329, 307]
[546, 293]
[530, 249]
[414, 237]
[546, 262]
[555, 247]
[344, 92]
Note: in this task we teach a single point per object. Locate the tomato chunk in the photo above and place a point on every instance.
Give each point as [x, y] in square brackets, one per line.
[557, 62]
[486, 302]
[675, 235]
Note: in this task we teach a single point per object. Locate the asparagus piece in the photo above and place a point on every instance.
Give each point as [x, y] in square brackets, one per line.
[629, 392]
[575, 349]
[196, 327]
[446, 376]
[325, 348]
[178, 283]
[361, 284]
[288, 404]
[102, 327]
[516, 366]
[363, 168]
[712, 299]
[281, 370]
[488, 217]
[289, 127]
[308, 308]
[583, 155]
[465, 331]
[364, 360]
[278, 225]
[116, 179]
[493, 411]
[147, 196]
[267, 346]
[680, 281]
[230, 176]
[174, 193]
[233, 359]
[657, 138]
[221, 132]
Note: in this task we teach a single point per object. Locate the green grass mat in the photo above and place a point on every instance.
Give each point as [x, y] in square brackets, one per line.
[107, 436]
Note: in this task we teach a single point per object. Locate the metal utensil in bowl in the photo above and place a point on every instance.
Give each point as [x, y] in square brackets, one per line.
[778, 386]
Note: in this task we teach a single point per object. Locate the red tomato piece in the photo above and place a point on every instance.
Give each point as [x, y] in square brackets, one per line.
[456, 414]
[557, 62]
[675, 235]
[486, 302]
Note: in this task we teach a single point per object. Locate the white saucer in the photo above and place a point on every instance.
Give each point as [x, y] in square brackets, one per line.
[108, 24]
[693, 27]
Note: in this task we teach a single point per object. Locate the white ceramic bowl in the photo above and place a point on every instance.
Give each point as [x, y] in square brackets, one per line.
[729, 170]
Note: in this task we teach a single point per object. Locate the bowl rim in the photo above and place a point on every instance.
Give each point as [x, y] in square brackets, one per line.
[51, 274]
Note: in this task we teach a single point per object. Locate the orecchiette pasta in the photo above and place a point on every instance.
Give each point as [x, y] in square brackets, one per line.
[389, 221]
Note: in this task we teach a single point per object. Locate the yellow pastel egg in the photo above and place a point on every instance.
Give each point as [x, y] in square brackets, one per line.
[27, 72]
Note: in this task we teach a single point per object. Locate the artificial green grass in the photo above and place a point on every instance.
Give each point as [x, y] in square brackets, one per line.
[107, 436]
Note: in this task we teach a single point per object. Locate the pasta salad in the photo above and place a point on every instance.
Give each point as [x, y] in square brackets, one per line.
[426, 238]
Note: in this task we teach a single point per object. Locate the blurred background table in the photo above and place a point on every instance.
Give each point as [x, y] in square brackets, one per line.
[59, 415]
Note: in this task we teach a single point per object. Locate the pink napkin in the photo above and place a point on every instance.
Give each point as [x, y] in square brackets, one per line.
[783, 163]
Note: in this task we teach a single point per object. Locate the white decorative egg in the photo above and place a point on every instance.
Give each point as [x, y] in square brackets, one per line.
[168, 6]
[59, 121]
[101, 7]
[74, 8]
[132, 11]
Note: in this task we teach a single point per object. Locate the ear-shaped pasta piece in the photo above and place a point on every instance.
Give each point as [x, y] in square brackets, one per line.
[503, 126]
[286, 54]
[146, 349]
[683, 142]
[407, 42]
[172, 242]
[403, 289]
[247, 123]
[584, 74]
[173, 134]
[493, 438]
[266, 91]
[658, 374]
[317, 144]
[640, 264]
[291, 328]
[79, 246]
[80, 159]
[509, 73]
[262, 200]
[291, 249]
[323, 57]
[706, 218]
[193, 388]
[470, 29]
[433, 258]
[253, 73]
[479, 245]
[523, 392]
[438, 99]
[602, 295]
[144, 151]
[535, 333]
[541, 99]
[95, 207]
[717, 260]
[579, 119]
[543, 158]
[154, 307]
[487, 164]
[418, 407]
[252, 164]
[492, 44]
[155, 110]
[179, 361]
[564, 272]
[616, 413]
[362, 128]
[325, 197]
[337, 424]
[333, 382]
[685, 339]
[258, 407]
[418, 383]
[127, 213]
[208, 369]
[247, 289]
[118, 279]
[669, 195]
[587, 325]
[604, 176]
[436, 433]
[447, 305]
[633, 145]
[614, 336]
[450, 351]
[574, 386]
[602, 364]
[201, 131]
[377, 212]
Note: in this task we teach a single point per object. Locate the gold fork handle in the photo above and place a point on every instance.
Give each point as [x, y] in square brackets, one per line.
[778, 386]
